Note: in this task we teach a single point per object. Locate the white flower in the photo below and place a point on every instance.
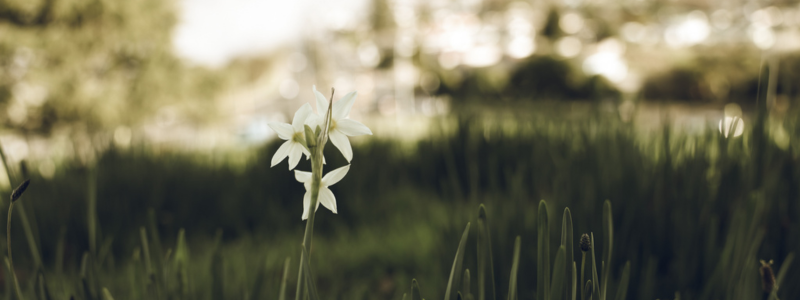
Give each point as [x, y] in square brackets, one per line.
[341, 126]
[294, 136]
[326, 197]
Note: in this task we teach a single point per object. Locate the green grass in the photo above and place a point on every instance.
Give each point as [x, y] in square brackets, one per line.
[693, 213]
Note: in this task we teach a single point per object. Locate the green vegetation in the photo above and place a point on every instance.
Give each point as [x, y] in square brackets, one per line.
[694, 214]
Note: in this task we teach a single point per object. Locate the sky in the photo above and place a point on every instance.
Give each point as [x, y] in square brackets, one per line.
[211, 32]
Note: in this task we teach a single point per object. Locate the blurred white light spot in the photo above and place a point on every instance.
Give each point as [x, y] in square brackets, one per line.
[518, 27]
[289, 88]
[368, 54]
[297, 61]
[30, 94]
[761, 18]
[609, 65]
[483, 56]
[449, 60]
[521, 47]
[611, 45]
[122, 136]
[569, 46]
[763, 37]
[692, 30]
[729, 124]
[633, 32]
[571, 23]
[47, 168]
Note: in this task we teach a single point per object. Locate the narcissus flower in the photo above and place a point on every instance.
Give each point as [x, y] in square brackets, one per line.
[341, 126]
[294, 135]
[326, 197]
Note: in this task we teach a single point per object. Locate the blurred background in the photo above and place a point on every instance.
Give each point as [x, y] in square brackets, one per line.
[153, 114]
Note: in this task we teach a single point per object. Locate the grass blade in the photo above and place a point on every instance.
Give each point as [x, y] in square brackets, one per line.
[595, 287]
[512, 284]
[484, 256]
[622, 291]
[107, 294]
[608, 231]
[559, 268]
[415, 294]
[543, 254]
[574, 281]
[455, 272]
[466, 284]
[311, 286]
[784, 269]
[569, 261]
[282, 295]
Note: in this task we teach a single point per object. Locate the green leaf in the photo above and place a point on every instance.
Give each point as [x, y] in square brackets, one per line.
[622, 291]
[484, 256]
[282, 295]
[512, 284]
[455, 271]
[567, 242]
[310, 137]
[574, 281]
[543, 254]
[608, 231]
[311, 286]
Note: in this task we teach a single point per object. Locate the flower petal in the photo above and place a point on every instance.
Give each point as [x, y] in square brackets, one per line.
[342, 107]
[352, 127]
[295, 153]
[314, 120]
[302, 176]
[335, 176]
[284, 131]
[322, 103]
[340, 141]
[300, 117]
[283, 152]
[327, 199]
[306, 204]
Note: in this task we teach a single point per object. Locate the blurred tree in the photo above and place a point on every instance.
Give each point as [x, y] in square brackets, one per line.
[94, 64]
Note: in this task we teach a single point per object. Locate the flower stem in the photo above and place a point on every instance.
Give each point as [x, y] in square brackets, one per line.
[316, 179]
[11, 260]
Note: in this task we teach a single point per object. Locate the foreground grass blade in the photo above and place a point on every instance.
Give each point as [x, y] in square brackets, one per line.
[107, 294]
[415, 294]
[42, 293]
[557, 289]
[217, 276]
[784, 269]
[282, 295]
[595, 287]
[466, 284]
[608, 231]
[567, 243]
[574, 281]
[512, 282]
[311, 286]
[543, 254]
[587, 290]
[622, 290]
[485, 263]
[455, 271]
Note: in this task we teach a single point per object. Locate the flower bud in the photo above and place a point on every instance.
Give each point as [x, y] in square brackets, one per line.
[767, 276]
[585, 243]
[19, 190]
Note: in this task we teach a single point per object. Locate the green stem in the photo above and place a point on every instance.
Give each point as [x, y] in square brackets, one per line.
[11, 260]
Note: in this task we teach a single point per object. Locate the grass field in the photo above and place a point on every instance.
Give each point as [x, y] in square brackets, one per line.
[692, 213]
